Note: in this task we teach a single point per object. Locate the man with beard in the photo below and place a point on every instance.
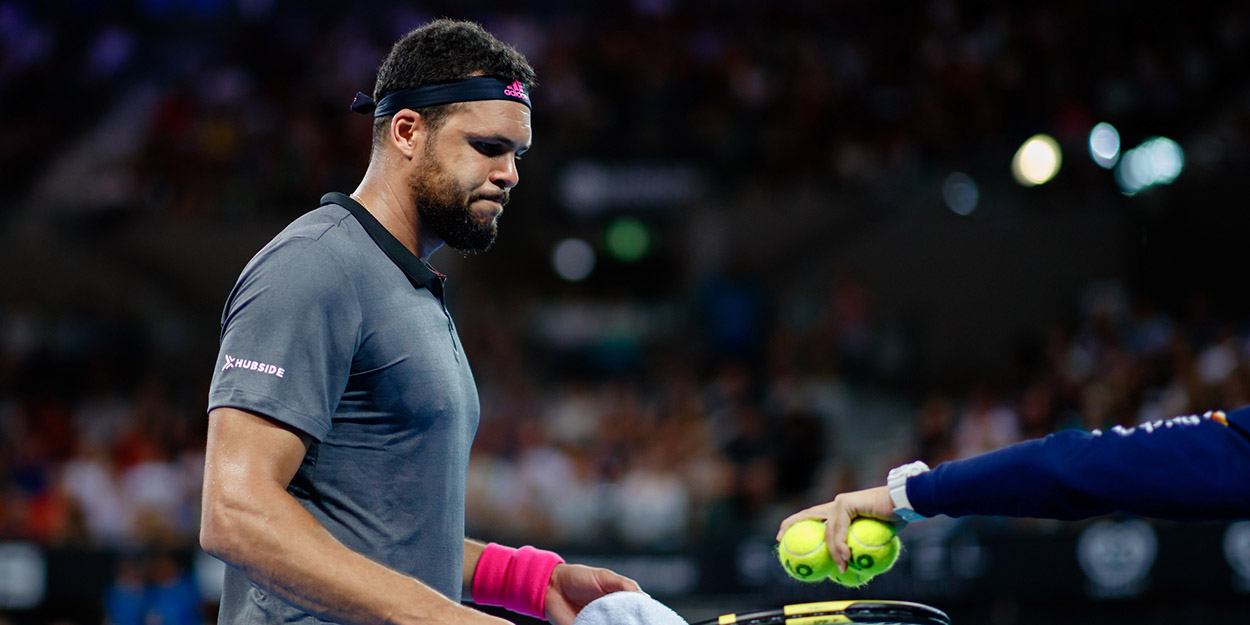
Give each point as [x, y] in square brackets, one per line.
[342, 408]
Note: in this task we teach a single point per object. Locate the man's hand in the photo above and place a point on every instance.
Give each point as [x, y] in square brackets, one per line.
[837, 515]
[573, 586]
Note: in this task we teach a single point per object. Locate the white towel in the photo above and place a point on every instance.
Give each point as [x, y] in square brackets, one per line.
[627, 608]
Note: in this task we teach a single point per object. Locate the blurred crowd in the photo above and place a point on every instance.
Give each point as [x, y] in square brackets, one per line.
[219, 112]
[653, 458]
[679, 454]
[225, 110]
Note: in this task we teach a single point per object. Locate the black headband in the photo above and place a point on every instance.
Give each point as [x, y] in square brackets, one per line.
[467, 90]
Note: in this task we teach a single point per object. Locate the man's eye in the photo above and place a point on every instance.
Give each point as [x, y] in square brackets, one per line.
[489, 149]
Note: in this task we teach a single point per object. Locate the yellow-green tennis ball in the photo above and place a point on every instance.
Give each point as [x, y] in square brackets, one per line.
[874, 546]
[803, 553]
[850, 577]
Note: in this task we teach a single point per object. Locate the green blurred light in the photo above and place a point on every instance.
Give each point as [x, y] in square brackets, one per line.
[628, 239]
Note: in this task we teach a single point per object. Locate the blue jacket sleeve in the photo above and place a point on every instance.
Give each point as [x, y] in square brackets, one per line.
[1186, 468]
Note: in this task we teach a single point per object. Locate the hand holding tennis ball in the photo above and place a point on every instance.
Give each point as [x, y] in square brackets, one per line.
[874, 546]
[803, 553]
[873, 543]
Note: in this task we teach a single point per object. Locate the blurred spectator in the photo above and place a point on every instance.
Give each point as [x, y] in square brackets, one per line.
[985, 424]
[152, 588]
[90, 480]
[936, 443]
[125, 602]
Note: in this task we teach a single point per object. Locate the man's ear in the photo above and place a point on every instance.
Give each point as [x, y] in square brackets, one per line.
[408, 130]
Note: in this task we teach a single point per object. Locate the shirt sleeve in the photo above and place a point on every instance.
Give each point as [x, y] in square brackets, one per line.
[1186, 468]
[289, 332]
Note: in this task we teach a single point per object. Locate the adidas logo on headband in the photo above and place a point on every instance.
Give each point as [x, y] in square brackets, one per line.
[516, 90]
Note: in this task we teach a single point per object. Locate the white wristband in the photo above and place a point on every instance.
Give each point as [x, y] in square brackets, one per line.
[897, 483]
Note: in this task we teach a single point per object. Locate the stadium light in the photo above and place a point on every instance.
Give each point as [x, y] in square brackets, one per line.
[1104, 145]
[960, 193]
[1158, 160]
[1037, 161]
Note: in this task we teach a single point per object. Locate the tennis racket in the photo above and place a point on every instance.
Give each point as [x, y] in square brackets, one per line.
[831, 612]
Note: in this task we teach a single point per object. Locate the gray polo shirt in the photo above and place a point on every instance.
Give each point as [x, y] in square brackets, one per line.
[335, 329]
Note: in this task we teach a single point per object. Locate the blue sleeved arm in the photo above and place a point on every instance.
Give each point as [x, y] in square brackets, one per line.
[1186, 468]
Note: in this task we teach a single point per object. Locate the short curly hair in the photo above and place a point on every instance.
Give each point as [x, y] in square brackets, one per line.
[443, 51]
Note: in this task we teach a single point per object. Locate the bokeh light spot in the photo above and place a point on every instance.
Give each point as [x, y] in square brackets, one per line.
[1037, 161]
[573, 259]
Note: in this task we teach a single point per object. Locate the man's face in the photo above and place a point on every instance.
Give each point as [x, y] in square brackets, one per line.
[467, 168]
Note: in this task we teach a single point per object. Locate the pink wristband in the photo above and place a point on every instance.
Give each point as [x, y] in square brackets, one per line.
[515, 579]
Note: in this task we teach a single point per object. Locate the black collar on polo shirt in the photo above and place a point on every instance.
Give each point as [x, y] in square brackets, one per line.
[420, 273]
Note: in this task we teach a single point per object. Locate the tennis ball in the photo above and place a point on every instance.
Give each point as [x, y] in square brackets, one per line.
[850, 577]
[874, 546]
[803, 554]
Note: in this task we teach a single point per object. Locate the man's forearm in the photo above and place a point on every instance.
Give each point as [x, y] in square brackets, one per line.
[251, 522]
[472, 553]
[282, 548]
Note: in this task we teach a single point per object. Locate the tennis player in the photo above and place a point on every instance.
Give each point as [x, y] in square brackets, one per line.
[1186, 468]
[342, 407]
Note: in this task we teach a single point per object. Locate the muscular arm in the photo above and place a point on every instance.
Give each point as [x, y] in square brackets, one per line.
[252, 523]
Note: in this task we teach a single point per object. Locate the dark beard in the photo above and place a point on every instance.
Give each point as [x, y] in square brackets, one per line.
[445, 211]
